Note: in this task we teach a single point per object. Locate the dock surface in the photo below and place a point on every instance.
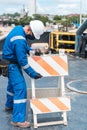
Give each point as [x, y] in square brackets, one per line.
[77, 117]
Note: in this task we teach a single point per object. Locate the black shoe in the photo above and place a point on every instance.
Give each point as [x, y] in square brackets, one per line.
[72, 54]
[8, 109]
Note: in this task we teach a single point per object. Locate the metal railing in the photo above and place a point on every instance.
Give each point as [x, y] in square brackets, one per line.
[62, 40]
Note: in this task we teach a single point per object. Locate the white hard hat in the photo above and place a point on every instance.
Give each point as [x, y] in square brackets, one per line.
[37, 28]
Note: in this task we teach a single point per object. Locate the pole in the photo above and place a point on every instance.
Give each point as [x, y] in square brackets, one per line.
[80, 12]
[35, 6]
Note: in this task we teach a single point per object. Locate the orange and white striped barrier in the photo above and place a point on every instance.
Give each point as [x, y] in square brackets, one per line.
[54, 65]
[50, 65]
[47, 105]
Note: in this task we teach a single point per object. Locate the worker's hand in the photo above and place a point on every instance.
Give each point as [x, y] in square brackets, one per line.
[38, 52]
[38, 76]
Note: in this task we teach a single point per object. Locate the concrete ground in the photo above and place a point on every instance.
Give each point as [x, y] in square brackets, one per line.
[77, 117]
[5, 29]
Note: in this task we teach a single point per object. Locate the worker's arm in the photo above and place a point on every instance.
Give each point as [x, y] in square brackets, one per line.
[29, 49]
[21, 54]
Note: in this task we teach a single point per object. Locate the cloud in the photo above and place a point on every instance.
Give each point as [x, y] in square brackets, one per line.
[62, 7]
[59, 6]
[12, 6]
[11, 10]
[67, 9]
[39, 8]
[45, 6]
[13, 2]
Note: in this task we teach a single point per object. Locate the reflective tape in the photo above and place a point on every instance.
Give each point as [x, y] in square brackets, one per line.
[20, 101]
[26, 66]
[17, 38]
[10, 94]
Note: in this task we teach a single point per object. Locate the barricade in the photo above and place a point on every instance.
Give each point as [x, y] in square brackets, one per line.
[51, 100]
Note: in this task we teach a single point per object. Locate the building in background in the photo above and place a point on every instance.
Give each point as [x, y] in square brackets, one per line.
[23, 12]
[32, 7]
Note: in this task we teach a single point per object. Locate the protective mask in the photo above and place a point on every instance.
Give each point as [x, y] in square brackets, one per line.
[30, 37]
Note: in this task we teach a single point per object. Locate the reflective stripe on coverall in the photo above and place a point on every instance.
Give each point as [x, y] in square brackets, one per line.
[15, 49]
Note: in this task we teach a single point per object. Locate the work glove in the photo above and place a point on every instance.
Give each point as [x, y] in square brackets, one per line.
[38, 52]
[38, 76]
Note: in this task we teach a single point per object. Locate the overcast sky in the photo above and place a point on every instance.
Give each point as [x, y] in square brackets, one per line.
[58, 7]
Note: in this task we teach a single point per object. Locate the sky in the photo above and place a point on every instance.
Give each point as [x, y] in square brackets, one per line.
[55, 7]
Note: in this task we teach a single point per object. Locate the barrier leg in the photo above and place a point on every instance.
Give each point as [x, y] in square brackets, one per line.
[33, 87]
[61, 85]
[35, 120]
[62, 93]
[65, 118]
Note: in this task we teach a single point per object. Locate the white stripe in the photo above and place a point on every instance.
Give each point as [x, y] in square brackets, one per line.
[49, 105]
[9, 93]
[64, 58]
[20, 101]
[16, 38]
[26, 66]
[35, 109]
[37, 67]
[65, 101]
[55, 65]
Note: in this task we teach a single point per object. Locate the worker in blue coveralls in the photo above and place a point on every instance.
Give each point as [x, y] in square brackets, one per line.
[15, 51]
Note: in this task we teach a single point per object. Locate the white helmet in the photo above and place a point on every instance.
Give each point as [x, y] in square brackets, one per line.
[37, 28]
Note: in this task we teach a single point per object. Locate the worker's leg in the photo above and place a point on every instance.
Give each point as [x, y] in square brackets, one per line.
[19, 107]
[10, 94]
[19, 87]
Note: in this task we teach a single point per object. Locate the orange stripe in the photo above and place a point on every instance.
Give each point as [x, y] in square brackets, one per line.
[36, 58]
[40, 105]
[46, 66]
[59, 104]
[61, 62]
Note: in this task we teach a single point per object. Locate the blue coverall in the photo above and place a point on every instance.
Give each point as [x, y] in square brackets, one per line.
[15, 49]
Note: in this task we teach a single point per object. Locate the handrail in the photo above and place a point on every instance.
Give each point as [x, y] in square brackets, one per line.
[57, 41]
